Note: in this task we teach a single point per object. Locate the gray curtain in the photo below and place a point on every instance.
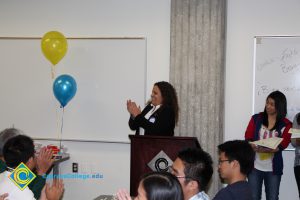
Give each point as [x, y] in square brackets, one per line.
[197, 72]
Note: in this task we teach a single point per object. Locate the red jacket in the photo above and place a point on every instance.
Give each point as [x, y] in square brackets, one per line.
[252, 134]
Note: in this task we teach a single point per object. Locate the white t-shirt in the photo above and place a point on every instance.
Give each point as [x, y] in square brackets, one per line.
[200, 196]
[263, 161]
[14, 193]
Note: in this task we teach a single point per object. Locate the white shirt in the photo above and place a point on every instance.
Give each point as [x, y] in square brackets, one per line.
[155, 108]
[14, 193]
[263, 161]
[148, 115]
[200, 196]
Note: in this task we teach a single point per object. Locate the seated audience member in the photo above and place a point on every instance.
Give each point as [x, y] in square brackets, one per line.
[43, 161]
[156, 186]
[193, 168]
[5, 135]
[236, 160]
[21, 149]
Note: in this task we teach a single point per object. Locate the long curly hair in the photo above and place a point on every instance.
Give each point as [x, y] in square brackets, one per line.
[169, 97]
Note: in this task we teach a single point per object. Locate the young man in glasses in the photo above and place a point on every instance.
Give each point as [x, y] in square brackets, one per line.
[193, 168]
[236, 160]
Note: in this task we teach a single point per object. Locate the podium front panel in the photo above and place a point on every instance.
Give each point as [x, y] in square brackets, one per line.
[155, 150]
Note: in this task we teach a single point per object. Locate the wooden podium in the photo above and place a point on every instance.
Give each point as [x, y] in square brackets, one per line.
[154, 149]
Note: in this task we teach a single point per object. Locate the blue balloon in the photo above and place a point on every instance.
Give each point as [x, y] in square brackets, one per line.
[64, 89]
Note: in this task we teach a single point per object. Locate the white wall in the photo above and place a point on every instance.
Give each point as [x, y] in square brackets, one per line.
[96, 18]
[151, 18]
[109, 160]
[246, 19]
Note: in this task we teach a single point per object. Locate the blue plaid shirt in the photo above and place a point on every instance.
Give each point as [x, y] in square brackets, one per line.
[200, 196]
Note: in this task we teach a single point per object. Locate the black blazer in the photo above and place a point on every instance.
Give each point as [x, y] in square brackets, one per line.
[160, 123]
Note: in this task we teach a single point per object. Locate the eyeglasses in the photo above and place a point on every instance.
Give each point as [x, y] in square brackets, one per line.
[181, 176]
[170, 170]
[221, 161]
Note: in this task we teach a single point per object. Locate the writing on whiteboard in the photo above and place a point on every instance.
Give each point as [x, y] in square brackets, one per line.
[288, 54]
[266, 63]
[287, 60]
[266, 89]
[277, 67]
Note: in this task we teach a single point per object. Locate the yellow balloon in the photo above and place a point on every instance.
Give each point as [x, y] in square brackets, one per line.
[54, 46]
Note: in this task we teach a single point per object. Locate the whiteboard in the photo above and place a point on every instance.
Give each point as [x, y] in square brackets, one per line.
[108, 71]
[277, 67]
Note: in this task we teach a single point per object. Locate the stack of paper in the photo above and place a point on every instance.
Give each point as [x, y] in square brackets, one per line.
[271, 143]
[295, 132]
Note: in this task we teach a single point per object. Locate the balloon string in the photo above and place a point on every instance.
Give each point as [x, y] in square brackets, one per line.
[57, 110]
[52, 71]
[61, 129]
[57, 121]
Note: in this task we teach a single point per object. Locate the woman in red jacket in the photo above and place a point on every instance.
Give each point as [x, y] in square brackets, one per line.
[268, 164]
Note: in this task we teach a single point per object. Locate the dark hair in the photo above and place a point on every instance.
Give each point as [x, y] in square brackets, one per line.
[197, 166]
[298, 119]
[162, 186]
[241, 151]
[5, 135]
[280, 106]
[18, 149]
[169, 96]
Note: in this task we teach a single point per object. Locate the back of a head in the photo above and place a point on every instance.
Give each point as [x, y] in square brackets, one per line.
[18, 149]
[162, 186]
[198, 166]
[241, 151]
[5, 135]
